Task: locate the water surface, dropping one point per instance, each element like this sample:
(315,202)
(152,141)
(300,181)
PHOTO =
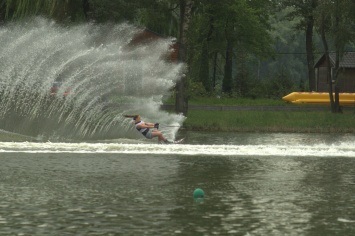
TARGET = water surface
(255,184)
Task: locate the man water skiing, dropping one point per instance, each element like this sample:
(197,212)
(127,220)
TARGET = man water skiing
(149,130)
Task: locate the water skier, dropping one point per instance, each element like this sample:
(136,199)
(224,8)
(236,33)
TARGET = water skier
(149,130)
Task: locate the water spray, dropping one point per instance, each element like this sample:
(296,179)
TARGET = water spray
(101,76)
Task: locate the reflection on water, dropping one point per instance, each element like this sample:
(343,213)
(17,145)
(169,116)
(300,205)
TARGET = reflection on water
(134,194)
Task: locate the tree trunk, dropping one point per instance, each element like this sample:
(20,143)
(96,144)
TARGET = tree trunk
(87,10)
(2,13)
(326,53)
(228,72)
(181,102)
(337,107)
(310,56)
(214,70)
(204,71)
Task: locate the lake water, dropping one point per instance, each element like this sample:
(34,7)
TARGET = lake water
(254,184)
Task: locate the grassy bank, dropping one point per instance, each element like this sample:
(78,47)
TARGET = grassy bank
(236,102)
(267,121)
(230,101)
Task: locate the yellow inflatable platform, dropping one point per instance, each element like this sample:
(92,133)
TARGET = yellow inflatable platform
(345,99)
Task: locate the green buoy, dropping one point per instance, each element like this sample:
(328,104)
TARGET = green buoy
(198,193)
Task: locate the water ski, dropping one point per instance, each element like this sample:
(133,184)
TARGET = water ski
(178,141)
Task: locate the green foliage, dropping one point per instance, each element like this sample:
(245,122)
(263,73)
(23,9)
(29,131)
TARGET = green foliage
(159,16)
(58,9)
(221,27)
(339,21)
(204,74)
(302,86)
(289,58)
(113,10)
(279,87)
(197,89)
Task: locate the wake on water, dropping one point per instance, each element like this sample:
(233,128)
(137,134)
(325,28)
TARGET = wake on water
(345,149)
(201,143)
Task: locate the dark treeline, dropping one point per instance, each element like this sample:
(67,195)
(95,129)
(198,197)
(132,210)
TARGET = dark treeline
(236,48)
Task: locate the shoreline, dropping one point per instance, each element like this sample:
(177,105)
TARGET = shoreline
(251,121)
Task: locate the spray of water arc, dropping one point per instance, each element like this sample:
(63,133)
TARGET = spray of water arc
(98,77)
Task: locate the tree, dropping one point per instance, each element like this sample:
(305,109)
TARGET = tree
(181,103)
(336,22)
(159,16)
(87,10)
(220,30)
(204,68)
(115,10)
(201,38)
(287,60)
(61,10)
(306,11)
(228,66)
(245,25)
